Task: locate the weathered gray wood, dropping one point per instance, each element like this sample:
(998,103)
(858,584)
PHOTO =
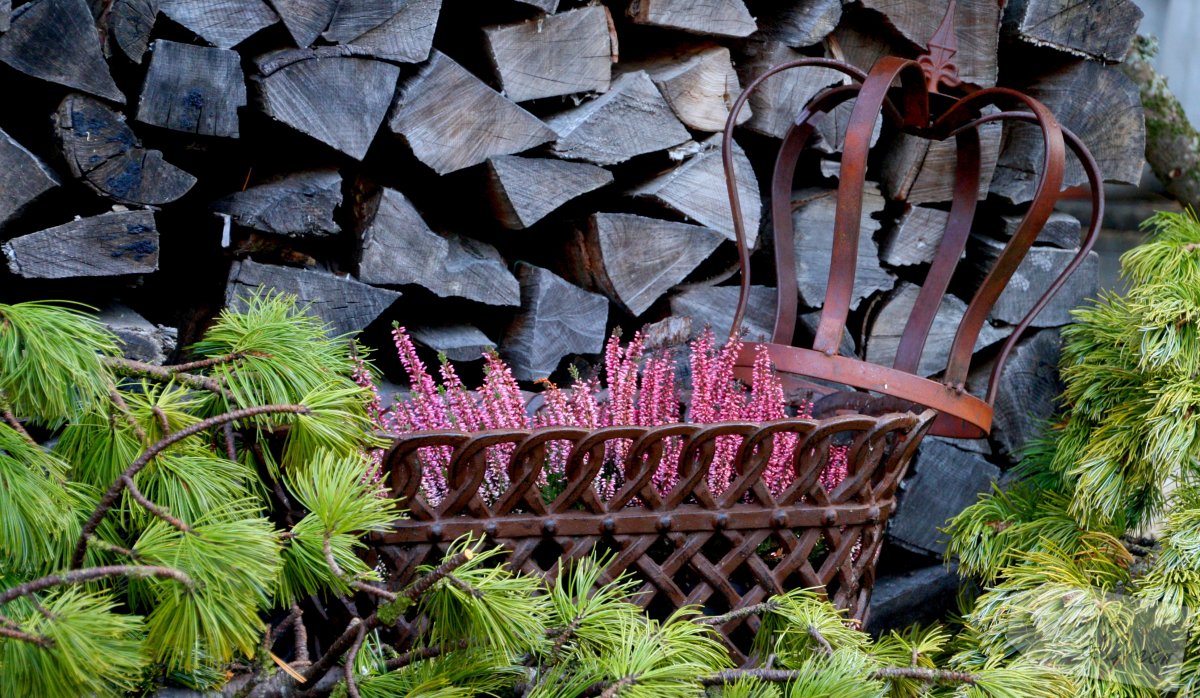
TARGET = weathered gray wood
(887,325)
(831,130)
(130,23)
(699,83)
(398,248)
(300,204)
(1029,390)
(1031,279)
(798,23)
(344,304)
(976,23)
(138,338)
(717,17)
(524,190)
(222,23)
(918,597)
(111,244)
(696,188)
(100,148)
(23,179)
(632,118)
(635,260)
(813,221)
(667,333)
(1101,30)
(1100,105)
(918,170)
(452,120)
(1061,230)
(556,319)
(553,55)
(194,89)
(713,307)
(406,37)
(778,101)
(5,14)
(456,342)
(340,101)
(914,239)
(548,6)
(55,41)
(353,18)
(305,19)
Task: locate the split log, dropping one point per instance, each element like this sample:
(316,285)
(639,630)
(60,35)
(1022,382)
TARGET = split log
(1101,30)
(919,171)
(667,333)
(1030,386)
(831,130)
(130,23)
(547,6)
(553,55)
(343,304)
(632,118)
(194,89)
(777,102)
(915,237)
(23,179)
(406,36)
(696,188)
(398,248)
(353,18)
(100,148)
(812,218)
(713,307)
(914,597)
(718,17)
(976,24)
(111,244)
(55,41)
(862,43)
(340,101)
(798,23)
(524,190)
(1031,279)
(1062,230)
(699,83)
(5,14)
(456,342)
(452,120)
(1100,105)
(138,338)
(635,260)
(305,19)
(887,326)
(556,319)
(222,23)
(299,204)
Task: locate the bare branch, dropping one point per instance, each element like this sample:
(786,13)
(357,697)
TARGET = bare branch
(141,369)
(90,574)
(423,653)
(754,610)
(351,655)
(327,548)
(160,512)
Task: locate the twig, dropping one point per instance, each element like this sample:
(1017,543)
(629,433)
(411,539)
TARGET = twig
(301,635)
(815,634)
(610,689)
(423,653)
(26,637)
(327,548)
(16,424)
(110,547)
(565,636)
(114,491)
(419,587)
(764,607)
(91,574)
(214,361)
(351,655)
(163,422)
(129,367)
(160,512)
(464,587)
(123,408)
(230,446)
(936,676)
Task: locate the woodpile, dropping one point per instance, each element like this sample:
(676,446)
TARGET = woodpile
(526,174)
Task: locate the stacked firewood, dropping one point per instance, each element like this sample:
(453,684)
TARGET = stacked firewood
(530,174)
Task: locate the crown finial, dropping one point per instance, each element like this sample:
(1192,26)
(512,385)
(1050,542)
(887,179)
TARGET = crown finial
(937,61)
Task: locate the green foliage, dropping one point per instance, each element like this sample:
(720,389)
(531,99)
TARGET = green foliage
(35,504)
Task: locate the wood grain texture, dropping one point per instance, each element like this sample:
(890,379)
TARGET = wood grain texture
(305,19)
(1030,386)
(635,260)
(194,89)
(100,149)
(976,23)
(1062,230)
(699,83)
(5,15)
(696,189)
(111,244)
(55,41)
(797,23)
(1101,30)
(406,37)
(345,305)
(130,23)
(452,120)
(777,101)
(716,17)
(553,55)
(914,239)
(524,190)
(813,221)
(1031,279)
(457,342)
(23,179)
(831,131)
(556,319)
(222,23)
(549,6)
(713,307)
(300,204)
(340,101)
(632,118)
(919,171)
(353,18)
(398,248)
(1100,105)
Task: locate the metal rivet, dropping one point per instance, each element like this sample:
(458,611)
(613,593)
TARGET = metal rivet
(721,521)
(664,523)
(779,518)
(830,518)
(873,515)
(435,532)
(550,526)
(490,528)
(609,525)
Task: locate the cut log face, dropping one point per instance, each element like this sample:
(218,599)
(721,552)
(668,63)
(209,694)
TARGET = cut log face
(714,306)
(1031,279)
(1029,390)
(194,89)
(398,248)
(344,304)
(524,190)
(111,244)
(340,101)
(305,19)
(23,179)
(798,24)
(778,100)
(832,129)
(699,83)
(452,120)
(556,320)
(55,41)
(295,205)
(1062,230)
(406,37)
(632,118)
(1100,105)
(222,23)
(696,189)
(719,17)
(813,222)
(130,23)
(915,238)
(5,14)
(353,18)
(553,55)
(101,149)
(976,24)
(1101,30)
(636,260)
(456,342)
(919,171)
